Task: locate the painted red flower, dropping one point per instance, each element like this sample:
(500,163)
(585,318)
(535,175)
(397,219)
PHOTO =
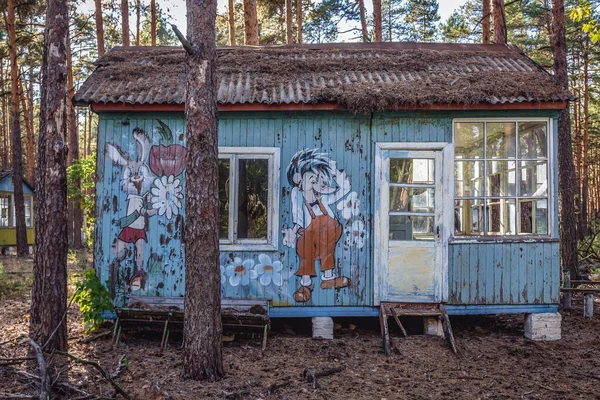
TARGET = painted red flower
(167,160)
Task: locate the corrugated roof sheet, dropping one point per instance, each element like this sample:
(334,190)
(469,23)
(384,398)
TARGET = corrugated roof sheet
(361,77)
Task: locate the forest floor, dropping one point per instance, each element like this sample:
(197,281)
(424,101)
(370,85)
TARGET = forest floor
(495,360)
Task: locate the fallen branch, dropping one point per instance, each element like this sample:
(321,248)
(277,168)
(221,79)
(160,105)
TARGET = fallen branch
(122,366)
(310,375)
(22,335)
(102,371)
(91,338)
(44,381)
(15,360)
(16,396)
(274,386)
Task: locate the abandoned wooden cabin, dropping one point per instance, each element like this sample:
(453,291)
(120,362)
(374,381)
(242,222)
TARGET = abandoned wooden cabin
(8,222)
(350,175)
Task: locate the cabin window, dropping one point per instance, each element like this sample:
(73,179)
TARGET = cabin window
(501,178)
(247,197)
(28,212)
(5,211)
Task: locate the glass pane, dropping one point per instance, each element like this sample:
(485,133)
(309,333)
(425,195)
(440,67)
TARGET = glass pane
(533,140)
(501,179)
(411,228)
(468,138)
(468,178)
(411,199)
(533,180)
(27,211)
(253,198)
(224,198)
(501,216)
(501,140)
(468,217)
(4,207)
(406,170)
(534,216)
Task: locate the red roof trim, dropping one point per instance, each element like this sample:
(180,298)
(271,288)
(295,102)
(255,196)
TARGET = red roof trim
(104,107)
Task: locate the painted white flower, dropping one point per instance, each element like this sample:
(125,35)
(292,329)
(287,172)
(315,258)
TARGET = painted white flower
(167,196)
(241,272)
(350,206)
(355,234)
(269,271)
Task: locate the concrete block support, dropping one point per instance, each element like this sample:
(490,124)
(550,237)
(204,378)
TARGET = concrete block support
(543,326)
(322,327)
(433,326)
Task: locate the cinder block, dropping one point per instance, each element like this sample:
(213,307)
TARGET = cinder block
(322,327)
(543,326)
(433,326)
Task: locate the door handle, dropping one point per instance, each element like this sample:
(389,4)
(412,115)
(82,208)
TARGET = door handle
(437,232)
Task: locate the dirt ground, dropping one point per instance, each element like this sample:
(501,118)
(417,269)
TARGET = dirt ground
(496,361)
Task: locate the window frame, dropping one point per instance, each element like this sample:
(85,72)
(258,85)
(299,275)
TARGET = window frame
(550,160)
(272,154)
(10,210)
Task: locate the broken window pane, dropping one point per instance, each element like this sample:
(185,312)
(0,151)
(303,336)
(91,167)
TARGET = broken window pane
(253,198)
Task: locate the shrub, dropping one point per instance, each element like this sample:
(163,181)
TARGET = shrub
(92,297)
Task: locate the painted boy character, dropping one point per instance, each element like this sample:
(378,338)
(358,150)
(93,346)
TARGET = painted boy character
(317,184)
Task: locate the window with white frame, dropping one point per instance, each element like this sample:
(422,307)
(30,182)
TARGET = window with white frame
(28,211)
(501,177)
(248,187)
(5,211)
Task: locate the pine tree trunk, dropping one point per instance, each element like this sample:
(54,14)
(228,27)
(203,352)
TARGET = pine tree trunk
(585,145)
(202,323)
(363,21)
(73,154)
(138,11)
(485,23)
(49,291)
(29,158)
(250,23)
(125,22)
(299,21)
(99,27)
(231,12)
(499,22)
(4,128)
(288,22)
(153,21)
(17,152)
(377,22)
(566,169)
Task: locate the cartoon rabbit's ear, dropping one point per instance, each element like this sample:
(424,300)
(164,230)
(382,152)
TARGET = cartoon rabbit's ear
(116,155)
(143,144)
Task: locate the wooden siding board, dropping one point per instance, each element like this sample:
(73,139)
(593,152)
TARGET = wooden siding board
(506,275)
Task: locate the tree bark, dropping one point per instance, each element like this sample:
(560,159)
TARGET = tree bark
(231,12)
(49,291)
(288,22)
(125,22)
(250,23)
(153,21)
(499,22)
(30,139)
(377,22)
(73,154)
(17,152)
(363,21)
(5,131)
(299,21)
(566,169)
(138,11)
(202,323)
(585,145)
(485,23)
(99,27)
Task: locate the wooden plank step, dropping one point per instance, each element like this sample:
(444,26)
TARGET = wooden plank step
(415,313)
(580,290)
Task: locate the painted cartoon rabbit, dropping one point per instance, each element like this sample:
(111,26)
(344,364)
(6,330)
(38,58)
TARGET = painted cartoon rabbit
(136,181)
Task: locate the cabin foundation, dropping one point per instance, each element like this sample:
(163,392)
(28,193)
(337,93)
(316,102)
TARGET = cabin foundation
(543,326)
(322,327)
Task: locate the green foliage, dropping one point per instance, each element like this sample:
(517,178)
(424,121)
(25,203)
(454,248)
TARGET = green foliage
(12,287)
(81,184)
(591,24)
(92,298)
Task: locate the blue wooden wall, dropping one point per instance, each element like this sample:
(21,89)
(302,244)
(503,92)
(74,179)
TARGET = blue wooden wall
(479,273)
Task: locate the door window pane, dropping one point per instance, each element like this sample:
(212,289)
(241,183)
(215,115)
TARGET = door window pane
(411,199)
(411,228)
(405,170)
(501,140)
(469,139)
(253,198)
